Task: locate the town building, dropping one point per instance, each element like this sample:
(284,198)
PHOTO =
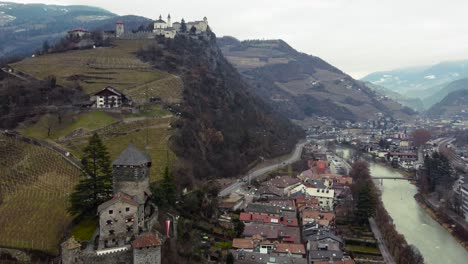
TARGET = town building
(110,97)
(464,196)
(78,33)
(161,28)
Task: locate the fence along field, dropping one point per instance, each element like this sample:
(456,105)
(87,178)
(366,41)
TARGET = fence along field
(34,188)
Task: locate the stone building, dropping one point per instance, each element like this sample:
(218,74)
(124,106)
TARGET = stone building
(161,28)
(126,221)
(147,248)
(130,173)
(119,220)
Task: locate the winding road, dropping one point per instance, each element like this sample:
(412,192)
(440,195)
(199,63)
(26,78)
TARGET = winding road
(295,156)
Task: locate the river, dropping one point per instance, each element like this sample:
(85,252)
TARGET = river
(434,242)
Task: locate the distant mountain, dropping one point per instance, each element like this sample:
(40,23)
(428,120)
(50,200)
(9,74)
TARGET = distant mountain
(24,27)
(453,105)
(300,85)
(414,103)
(420,81)
(444,91)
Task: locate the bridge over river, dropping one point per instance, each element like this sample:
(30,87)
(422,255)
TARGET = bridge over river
(435,243)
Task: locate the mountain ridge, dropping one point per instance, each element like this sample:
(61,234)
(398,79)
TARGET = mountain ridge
(302,85)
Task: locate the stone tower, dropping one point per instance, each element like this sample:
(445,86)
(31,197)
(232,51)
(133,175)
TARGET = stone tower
(169,23)
(130,173)
(147,249)
(119,29)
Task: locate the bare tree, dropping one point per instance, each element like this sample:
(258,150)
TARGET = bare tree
(420,136)
(51,121)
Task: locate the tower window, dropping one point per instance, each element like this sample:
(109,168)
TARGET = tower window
(127,209)
(111,211)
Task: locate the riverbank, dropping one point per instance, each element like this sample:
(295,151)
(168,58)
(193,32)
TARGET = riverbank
(392,245)
(436,216)
(459,234)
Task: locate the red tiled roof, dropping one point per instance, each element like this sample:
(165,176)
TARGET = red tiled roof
(146,240)
(293,248)
(243,243)
(245,217)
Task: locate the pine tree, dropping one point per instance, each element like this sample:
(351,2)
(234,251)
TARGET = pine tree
(183,26)
(166,193)
(366,204)
(96,186)
(45,47)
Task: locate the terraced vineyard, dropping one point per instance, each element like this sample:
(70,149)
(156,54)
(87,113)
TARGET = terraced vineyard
(95,69)
(34,188)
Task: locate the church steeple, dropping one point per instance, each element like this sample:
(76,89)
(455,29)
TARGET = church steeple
(169,23)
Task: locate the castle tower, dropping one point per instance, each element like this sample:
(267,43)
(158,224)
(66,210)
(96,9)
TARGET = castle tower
(119,29)
(147,249)
(130,173)
(169,23)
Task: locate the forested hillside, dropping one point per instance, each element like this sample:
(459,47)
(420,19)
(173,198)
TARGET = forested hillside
(224,126)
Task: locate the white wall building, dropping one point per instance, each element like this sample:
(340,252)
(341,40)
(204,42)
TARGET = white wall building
(464,196)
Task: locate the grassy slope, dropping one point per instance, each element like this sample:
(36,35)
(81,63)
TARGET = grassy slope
(95,69)
(34,196)
(88,121)
(33,216)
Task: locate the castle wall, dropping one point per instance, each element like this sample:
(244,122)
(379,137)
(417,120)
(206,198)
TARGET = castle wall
(121,213)
(135,256)
(127,173)
(133,188)
(150,255)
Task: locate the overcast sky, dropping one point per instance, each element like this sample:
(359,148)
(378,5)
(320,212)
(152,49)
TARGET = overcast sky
(357,36)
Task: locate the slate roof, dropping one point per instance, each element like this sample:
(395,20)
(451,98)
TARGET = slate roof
(244,257)
(132,156)
(325,254)
(108,91)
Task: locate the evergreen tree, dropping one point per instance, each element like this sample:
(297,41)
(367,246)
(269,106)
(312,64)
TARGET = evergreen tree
(439,171)
(183,26)
(166,193)
(230,258)
(193,30)
(45,47)
(366,204)
(96,186)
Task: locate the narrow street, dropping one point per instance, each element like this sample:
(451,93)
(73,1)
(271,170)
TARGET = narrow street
(383,248)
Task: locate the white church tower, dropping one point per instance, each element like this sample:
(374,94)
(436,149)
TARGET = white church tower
(169,23)
(119,29)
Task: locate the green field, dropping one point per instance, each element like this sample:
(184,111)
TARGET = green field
(84,230)
(362,249)
(87,121)
(94,69)
(34,188)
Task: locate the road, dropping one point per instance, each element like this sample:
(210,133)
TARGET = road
(252,175)
(456,160)
(383,248)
